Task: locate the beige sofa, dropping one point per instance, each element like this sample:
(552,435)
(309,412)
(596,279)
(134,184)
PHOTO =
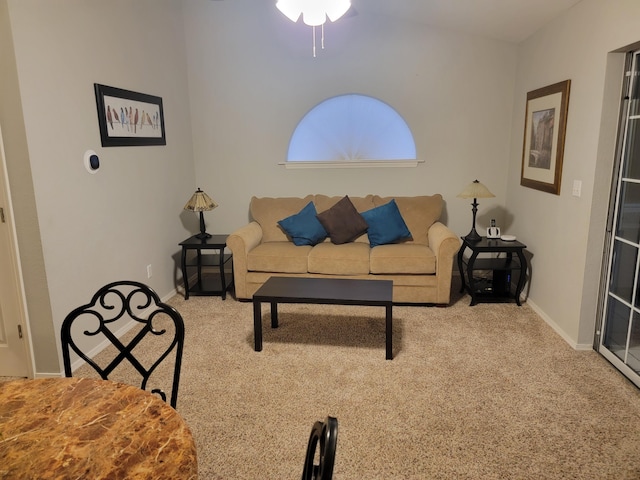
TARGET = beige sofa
(420,267)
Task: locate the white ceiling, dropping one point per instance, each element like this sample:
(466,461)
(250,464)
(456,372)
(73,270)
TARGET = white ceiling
(508,20)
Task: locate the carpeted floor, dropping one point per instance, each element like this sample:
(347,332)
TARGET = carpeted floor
(484,392)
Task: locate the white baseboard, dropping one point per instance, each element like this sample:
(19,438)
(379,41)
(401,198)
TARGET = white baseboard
(557,329)
(548,320)
(49,375)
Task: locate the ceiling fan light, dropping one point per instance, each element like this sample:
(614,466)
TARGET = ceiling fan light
(314,13)
(290,8)
(337,8)
(314,16)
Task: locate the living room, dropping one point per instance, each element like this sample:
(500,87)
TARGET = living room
(234,86)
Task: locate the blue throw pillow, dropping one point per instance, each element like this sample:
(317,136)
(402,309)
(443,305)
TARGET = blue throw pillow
(386,224)
(303,227)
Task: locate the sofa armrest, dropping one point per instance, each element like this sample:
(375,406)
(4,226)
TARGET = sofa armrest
(445,244)
(241,242)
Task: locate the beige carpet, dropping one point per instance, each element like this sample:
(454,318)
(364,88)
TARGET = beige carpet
(484,392)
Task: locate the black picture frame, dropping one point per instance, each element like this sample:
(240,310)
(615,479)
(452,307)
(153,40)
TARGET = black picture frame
(127,118)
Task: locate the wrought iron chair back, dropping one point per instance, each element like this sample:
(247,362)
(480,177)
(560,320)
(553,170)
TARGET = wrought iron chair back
(136,306)
(326,435)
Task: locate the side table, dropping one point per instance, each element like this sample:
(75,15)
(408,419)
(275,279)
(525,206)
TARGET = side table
(498,287)
(216,280)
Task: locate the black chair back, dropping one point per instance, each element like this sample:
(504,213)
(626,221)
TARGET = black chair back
(326,435)
(117,307)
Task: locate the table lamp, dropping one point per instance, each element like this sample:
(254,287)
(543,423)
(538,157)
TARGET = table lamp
(475,190)
(201,202)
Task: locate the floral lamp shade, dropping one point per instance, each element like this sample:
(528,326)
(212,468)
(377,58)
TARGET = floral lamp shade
(201,202)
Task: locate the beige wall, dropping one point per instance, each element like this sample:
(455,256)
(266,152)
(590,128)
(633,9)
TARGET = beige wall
(252,77)
(109,226)
(24,204)
(565,233)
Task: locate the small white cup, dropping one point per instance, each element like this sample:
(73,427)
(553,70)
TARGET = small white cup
(493,232)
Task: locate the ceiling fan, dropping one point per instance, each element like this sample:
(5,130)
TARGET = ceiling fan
(315,13)
(350,13)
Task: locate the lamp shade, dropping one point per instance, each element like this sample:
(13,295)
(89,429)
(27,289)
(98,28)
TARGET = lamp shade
(314,12)
(475,190)
(200,202)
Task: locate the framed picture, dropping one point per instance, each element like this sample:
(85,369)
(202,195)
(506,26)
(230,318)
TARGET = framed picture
(544,133)
(129,118)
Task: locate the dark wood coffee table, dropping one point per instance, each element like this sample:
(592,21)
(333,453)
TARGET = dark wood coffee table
(328,291)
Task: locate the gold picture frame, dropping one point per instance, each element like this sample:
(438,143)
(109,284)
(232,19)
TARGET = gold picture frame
(544,135)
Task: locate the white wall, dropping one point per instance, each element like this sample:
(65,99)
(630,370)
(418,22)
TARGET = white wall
(109,226)
(565,233)
(252,77)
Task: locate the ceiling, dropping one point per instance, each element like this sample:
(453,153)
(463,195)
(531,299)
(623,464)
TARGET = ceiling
(508,20)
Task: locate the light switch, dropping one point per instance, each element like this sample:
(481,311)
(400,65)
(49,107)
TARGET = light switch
(577,188)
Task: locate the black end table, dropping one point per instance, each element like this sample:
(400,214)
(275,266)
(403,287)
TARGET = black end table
(215,280)
(498,288)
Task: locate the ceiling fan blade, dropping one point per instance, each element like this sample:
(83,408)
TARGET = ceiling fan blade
(352,12)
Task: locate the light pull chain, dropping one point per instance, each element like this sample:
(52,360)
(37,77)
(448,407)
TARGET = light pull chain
(313,29)
(314,41)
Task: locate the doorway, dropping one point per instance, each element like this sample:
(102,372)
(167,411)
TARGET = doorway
(620,320)
(14,339)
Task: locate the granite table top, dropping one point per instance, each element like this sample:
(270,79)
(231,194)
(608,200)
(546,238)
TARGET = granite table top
(64,428)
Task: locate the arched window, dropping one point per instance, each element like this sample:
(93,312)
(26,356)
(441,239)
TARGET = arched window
(352,130)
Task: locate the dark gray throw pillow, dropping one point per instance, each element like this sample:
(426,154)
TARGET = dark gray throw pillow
(342,222)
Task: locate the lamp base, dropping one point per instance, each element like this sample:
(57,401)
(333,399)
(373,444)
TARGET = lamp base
(473,236)
(203,234)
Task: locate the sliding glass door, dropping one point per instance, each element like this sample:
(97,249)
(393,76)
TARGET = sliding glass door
(620,338)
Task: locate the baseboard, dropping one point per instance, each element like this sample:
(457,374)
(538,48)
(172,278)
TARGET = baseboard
(557,329)
(549,321)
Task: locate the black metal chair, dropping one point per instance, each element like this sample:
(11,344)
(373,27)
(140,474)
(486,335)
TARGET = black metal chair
(326,434)
(120,307)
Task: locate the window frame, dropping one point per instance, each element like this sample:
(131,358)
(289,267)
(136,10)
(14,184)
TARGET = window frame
(347,163)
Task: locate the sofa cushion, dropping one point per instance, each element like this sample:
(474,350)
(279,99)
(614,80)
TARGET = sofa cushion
(342,222)
(419,213)
(303,227)
(385,224)
(345,259)
(267,211)
(278,257)
(407,258)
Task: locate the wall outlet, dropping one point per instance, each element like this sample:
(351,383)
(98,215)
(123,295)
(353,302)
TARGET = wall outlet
(149,273)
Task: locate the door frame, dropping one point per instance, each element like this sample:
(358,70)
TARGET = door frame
(631,56)
(14,254)
(613,191)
